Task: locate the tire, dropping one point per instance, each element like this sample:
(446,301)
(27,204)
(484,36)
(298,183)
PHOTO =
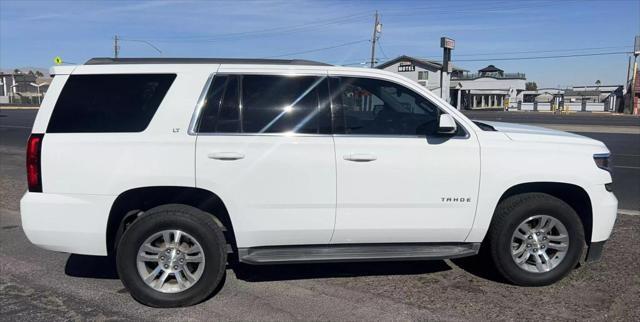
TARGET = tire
(196,228)
(528,211)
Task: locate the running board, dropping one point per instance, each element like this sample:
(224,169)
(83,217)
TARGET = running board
(355,253)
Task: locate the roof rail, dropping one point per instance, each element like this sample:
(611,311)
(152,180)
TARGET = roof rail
(124,61)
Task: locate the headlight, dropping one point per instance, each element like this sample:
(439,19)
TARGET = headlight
(602,161)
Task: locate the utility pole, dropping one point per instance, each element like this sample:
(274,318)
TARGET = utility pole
(377,27)
(636,52)
(116,47)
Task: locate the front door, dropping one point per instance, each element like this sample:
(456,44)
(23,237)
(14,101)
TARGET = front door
(398,181)
(264,146)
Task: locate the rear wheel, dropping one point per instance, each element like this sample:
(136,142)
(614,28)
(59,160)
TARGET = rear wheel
(535,239)
(172,256)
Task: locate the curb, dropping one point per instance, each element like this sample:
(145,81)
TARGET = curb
(19,108)
(628,212)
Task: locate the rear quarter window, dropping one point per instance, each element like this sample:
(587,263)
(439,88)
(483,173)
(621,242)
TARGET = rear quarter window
(108,103)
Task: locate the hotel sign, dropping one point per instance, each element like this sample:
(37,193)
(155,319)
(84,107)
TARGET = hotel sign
(406,67)
(447,43)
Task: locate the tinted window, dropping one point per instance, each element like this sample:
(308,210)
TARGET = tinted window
(377,107)
(270,104)
(277,104)
(108,103)
(220,112)
(212,102)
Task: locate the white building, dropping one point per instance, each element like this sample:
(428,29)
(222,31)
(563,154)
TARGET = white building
(425,72)
(22,87)
(490,87)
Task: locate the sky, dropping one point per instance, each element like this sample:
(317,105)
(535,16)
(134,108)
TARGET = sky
(32,33)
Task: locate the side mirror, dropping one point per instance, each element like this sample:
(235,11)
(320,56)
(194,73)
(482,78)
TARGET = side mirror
(447,124)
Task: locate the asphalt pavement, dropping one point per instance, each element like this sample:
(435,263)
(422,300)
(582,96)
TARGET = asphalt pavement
(39,285)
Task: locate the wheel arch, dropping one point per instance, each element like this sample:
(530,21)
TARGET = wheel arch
(574,195)
(132,202)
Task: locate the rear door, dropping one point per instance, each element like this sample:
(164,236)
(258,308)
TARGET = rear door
(264,146)
(397,180)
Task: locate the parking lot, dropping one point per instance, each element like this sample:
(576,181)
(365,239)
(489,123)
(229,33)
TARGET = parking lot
(39,285)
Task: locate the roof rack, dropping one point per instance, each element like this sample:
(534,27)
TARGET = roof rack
(124,61)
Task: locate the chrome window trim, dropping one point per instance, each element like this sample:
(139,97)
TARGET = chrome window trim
(264,134)
(195,117)
(275,72)
(334,135)
(382,136)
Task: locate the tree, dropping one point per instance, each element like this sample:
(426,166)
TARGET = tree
(17,71)
(531,86)
(39,73)
(30,72)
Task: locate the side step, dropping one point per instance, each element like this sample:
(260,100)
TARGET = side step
(355,253)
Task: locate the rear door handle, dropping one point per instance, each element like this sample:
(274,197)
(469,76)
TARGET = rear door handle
(360,157)
(226,156)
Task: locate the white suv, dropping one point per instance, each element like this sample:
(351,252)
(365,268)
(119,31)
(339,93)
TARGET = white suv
(174,165)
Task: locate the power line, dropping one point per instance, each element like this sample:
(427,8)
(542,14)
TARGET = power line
(542,57)
(528,52)
(143,42)
(320,49)
(521,58)
(544,51)
(277,30)
(382,50)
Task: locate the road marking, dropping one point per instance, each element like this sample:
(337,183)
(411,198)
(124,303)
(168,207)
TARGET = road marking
(624,129)
(629,212)
(16,126)
(625,167)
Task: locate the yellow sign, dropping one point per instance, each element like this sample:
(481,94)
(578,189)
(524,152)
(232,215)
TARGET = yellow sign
(57,60)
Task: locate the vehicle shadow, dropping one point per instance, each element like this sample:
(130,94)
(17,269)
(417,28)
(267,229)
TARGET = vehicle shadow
(267,273)
(479,266)
(103,267)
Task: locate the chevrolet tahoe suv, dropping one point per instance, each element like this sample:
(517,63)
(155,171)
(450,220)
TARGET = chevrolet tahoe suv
(176,167)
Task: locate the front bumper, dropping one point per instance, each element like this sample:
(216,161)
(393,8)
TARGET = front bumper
(71,223)
(605,210)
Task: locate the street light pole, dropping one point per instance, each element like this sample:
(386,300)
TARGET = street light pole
(37,86)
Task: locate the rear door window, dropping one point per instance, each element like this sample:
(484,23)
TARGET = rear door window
(108,102)
(267,104)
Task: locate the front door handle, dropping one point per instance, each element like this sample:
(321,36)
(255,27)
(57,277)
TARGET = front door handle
(360,157)
(226,156)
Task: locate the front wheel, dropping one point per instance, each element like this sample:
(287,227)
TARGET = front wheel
(535,239)
(171,256)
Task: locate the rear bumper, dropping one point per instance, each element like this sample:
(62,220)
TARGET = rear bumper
(72,223)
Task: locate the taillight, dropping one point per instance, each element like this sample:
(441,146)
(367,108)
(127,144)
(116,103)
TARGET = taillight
(34,155)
